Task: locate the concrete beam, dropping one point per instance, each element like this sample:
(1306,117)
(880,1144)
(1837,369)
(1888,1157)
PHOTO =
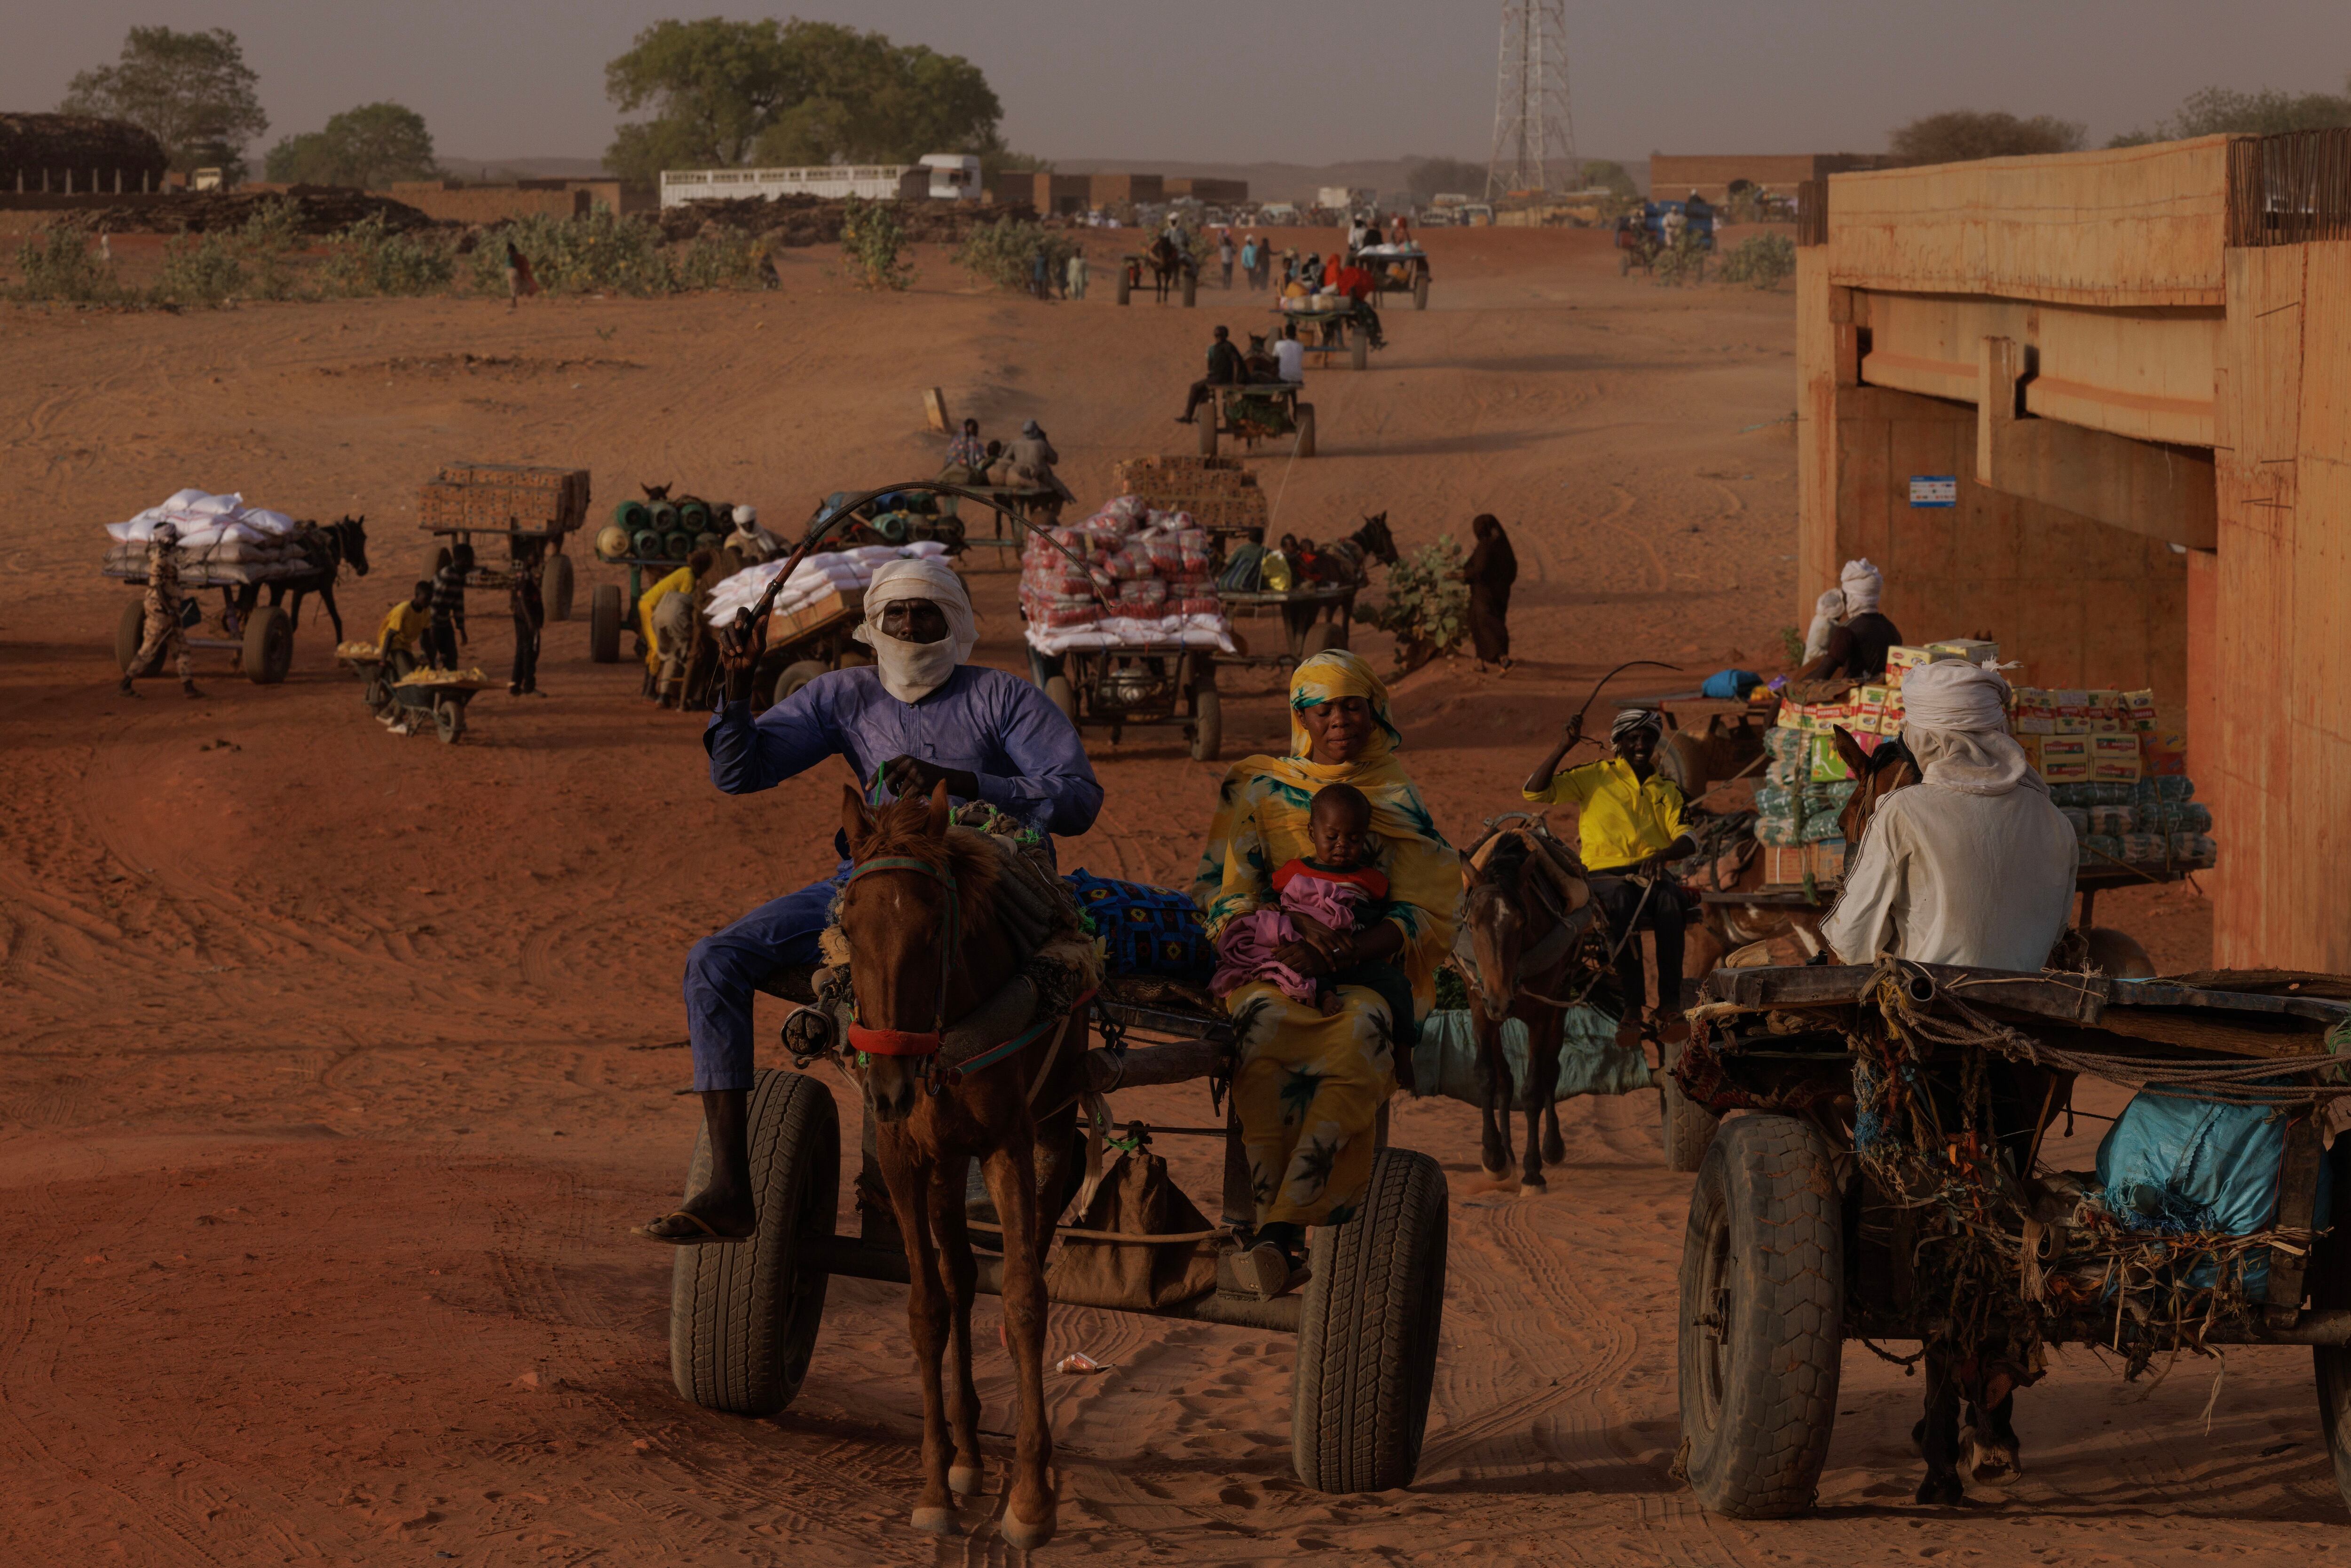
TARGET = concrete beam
(2159,492)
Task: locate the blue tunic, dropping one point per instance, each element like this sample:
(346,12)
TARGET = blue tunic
(1027,758)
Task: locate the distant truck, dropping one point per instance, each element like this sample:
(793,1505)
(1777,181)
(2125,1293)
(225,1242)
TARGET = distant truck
(1340,198)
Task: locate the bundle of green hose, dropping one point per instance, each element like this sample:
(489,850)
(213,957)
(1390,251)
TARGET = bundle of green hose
(646,543)
(664,515)
(633,516)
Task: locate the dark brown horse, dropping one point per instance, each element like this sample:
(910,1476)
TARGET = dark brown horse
(1166,264)
(1528,926)
(929,965)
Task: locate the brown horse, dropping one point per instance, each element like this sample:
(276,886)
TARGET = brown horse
(937,981)
(1165,263)
(1528,927)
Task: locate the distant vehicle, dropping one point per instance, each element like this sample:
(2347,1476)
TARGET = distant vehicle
(940,176)
(1338,198)
(1477,213)
(206,179)
(1278,212)
(955,177)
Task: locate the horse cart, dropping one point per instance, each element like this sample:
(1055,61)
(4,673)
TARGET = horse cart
(1341,330)
(1145,686)
(1184,279)
(260,643)
(1397,269)
(1884,1178)
(807,643)
(1252,411)
(744,1321)
(1315,618)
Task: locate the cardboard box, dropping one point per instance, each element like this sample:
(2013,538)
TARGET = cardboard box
(2030,725)
(2066,759)
(1967,650)
(2163,753)
(2072,724)
(1786,864)
(2113,758)
(1827,767)
(1899,659)
(1826,860)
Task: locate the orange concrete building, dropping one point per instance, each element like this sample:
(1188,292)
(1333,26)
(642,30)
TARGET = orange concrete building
(2132,363)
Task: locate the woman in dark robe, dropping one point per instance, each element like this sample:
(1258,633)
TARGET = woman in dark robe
(1491,569)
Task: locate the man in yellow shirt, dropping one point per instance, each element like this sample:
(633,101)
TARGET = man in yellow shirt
(1630,824)
(404,623)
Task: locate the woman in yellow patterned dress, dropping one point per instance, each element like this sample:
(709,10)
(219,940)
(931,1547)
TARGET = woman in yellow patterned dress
(1310,1086)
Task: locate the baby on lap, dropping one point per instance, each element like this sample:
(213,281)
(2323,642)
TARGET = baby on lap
(1337,890)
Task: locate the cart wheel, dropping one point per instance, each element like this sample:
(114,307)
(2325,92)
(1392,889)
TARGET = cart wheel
(1368,1332)
(1683,759)
(604,623)
(1191,284)
(1058,692)
(1306,430)
(743,1319)
(1359,350)
(796,675)
(448,721)
(1208,725)
(1420,292)
(268,646)
(1207,424)
(377,693)
(129,632)
(852,658)
(554,592)
(1321,638)
(1690,1127)
(1762,1304)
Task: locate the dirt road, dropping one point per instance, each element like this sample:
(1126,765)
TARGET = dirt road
(333,1067)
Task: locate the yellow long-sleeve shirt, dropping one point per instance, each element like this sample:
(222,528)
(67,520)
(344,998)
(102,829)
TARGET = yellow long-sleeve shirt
(1624,819)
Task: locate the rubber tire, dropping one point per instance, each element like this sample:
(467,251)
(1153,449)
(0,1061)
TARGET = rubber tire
(604,623)
(1367,1332)
(796,675)
(268,646)
(743,1319)
(1689,1127)
(448,721)
(1321,638)
(1059,692)
(377,692)
(1766,1227)
(1682,760)
(1306,430)
(1207,426)
(1207,726)
(129,632)
(1420,292)
(1359,350)
(556,591)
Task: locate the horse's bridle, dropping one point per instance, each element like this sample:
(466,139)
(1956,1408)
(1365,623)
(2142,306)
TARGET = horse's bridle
(915,1042)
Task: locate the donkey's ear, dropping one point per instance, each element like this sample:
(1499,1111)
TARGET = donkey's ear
(1849,749)
(856,822)
(937,827)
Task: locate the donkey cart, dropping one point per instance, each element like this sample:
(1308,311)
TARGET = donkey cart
(1140,688)
(744,1319)
(1252,412)
(1342,329)
(1883,1181)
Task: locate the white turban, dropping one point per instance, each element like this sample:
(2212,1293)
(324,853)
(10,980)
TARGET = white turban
(913,671)
(1827,610)
(1862,583)
(1955,722)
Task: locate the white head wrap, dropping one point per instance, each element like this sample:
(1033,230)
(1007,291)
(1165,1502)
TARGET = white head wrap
(745,516)
(1955,722)
(913,671)
(1862,583)
(1827,610)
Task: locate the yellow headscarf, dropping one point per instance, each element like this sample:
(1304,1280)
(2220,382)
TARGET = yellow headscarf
(1260,824)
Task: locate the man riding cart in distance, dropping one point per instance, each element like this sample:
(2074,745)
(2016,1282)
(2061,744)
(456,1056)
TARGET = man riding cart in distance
(918,716)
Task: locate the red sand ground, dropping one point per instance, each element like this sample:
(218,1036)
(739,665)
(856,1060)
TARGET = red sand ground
(334,1066)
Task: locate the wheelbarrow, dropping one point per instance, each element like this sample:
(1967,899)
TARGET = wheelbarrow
(445,700)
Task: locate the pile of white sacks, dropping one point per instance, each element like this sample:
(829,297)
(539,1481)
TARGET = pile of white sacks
(830,573)
(222,540)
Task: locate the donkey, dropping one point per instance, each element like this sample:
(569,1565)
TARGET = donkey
(1527,929)
(928,955)
(1165,263)
(327,547)
(1344,562)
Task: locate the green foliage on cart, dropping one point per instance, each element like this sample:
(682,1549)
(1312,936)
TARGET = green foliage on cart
(1424,609)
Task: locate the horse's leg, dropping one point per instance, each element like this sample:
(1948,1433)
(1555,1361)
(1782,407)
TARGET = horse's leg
(1029,1511)
(1937,1432)
(327,597)
(1544,1070)
(1989,1448)
(1494,1097)
(1543,1077)
(927,1318)
(959,1274)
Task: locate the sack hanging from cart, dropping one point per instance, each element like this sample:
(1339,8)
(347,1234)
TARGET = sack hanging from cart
(1144,930)
(1172,1258)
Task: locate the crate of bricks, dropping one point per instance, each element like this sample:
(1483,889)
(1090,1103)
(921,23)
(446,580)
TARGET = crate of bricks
(492,497)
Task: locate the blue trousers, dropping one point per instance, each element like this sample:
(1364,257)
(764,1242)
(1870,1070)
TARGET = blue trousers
(726,967)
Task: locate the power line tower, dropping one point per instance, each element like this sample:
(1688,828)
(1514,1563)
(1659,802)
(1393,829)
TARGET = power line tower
(1534,135)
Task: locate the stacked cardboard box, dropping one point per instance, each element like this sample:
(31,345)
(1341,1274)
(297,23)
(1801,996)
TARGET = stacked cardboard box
(496,497)
(1219,493)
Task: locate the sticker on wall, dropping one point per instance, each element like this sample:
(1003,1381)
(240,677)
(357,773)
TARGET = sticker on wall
(1934,490)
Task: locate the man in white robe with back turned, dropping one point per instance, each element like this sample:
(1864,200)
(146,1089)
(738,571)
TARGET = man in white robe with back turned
(1974,865)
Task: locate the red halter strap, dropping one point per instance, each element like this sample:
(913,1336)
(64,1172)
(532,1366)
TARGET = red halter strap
(906,1043)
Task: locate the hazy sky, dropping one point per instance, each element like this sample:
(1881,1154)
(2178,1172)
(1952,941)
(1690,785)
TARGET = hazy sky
(1231,79)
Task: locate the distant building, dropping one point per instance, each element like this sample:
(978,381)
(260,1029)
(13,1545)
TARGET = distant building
(1215,192)
(1711,176)
(455,200)
(1063,193)
(1104,189)
(77,154)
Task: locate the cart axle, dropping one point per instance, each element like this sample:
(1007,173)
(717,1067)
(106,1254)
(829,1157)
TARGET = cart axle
(847,1255)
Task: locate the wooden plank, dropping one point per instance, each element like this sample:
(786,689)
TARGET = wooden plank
(2297,1202)
(934,409)
(2072,998)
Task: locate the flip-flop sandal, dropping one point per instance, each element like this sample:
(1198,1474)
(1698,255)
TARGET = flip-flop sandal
(1267,1269)
(709,1237)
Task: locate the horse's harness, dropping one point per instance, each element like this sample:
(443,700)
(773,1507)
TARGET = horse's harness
(924,1045)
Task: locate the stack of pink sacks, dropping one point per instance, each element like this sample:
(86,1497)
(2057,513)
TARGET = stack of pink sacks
(1146,580)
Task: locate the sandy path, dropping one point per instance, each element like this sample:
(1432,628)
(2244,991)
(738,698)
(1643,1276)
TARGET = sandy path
(332,1068)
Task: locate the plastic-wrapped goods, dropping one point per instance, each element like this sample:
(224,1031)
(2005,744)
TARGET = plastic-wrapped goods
(2104,849)
(2176,817)
(2143,849)
(2078,819)
(2194,850)
(2164,788)
(1241,568)
(1785,744)
(1145,592)
(1065,611)
(2113,821)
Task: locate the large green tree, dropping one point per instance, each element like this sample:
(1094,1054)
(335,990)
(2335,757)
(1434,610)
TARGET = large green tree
(2264,113)
(194,90)
(1963,135)
(369,146)
(716,93)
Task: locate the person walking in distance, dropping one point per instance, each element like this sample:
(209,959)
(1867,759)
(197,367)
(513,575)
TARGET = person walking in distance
(162,628)
(523,597)
(1489,571)
(519,277)
(448,627)
(1076,286)
(1225,255)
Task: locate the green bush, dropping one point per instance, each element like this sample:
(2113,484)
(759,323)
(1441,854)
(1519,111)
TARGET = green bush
(1000,253)
(873,246)
(1764,261)
(725,259)
(1681,263)
(59,265)
(370,257)
(1426,609)
(596,253)
(201,269)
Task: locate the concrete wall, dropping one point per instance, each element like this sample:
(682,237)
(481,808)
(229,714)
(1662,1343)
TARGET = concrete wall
(1102,189)
(1053,192)
(456,200)
(1218,193)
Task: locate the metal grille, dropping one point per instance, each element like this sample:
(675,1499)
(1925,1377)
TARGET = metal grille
(1812,212)
(1534,134)
(2289,189)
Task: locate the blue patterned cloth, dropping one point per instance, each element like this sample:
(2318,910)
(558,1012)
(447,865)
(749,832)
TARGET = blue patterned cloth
(1144,930)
